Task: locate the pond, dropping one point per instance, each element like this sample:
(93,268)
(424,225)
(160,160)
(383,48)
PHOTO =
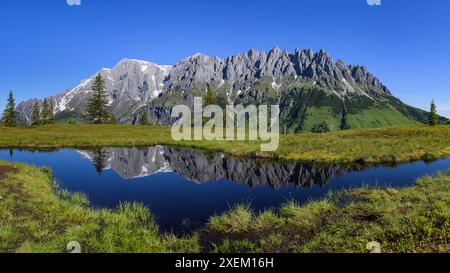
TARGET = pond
(183,187)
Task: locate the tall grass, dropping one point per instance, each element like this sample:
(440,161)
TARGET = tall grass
(37,217)
(415,219)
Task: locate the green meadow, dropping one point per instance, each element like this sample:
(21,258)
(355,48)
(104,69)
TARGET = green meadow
(386,145)
(36,216)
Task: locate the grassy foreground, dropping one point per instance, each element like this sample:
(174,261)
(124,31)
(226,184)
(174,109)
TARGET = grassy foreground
(410,220)
(394,144)
(37,217)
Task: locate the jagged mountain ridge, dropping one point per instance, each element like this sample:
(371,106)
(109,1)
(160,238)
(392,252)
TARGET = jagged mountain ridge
(303,83)
(243,70)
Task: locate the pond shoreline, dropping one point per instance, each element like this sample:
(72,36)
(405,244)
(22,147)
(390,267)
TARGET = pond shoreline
(385,145)
(374,214)
(358,164)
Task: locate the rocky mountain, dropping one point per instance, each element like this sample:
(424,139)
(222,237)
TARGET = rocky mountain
(310,87)
(131,84)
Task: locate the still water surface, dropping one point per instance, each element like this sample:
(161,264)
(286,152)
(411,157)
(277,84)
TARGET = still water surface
(181,183)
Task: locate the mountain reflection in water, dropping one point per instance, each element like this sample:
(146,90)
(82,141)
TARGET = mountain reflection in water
(181,183)
(200,167)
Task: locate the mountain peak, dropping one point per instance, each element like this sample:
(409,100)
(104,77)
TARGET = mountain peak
(127,62)
(276,49)
(197,56)
(253,51)
(133,83)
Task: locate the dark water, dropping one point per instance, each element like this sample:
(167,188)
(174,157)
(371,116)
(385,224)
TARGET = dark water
(181,183)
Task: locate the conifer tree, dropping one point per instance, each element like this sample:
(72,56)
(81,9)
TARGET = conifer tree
(45,116)
(344,121)
(36,114)
(51,116)
(210,96)
(9,114)
(321,128)
(71,121)
(143,119)
(98,111)
(433,118)
(112,119)
(99,160)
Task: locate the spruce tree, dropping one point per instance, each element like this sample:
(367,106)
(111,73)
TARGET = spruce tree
(143,119)
(98,111)
(36,114)
(321,128)
(433,118)
(99,160)
(71,121)
(51,116)
(210,97)
(112,119)
(45,116)
(344,121)
(9,114)
(47,113)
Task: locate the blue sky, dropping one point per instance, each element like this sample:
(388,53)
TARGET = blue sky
(47,46)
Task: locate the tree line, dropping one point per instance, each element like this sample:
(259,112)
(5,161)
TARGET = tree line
(98,110)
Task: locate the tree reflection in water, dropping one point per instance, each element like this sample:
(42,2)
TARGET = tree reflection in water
(200,167)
